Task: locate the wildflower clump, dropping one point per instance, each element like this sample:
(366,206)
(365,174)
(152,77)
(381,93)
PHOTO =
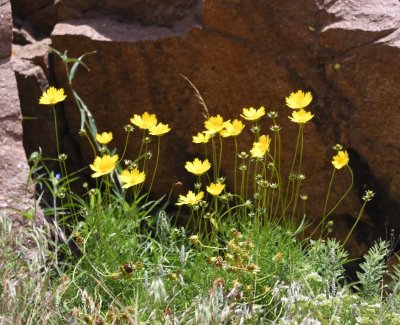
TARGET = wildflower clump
(240,233)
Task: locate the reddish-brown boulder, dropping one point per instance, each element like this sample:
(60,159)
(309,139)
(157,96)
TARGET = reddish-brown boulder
(240,54)
(14,169)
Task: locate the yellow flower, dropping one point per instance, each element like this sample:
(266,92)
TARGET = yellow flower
(299,99)
(103,165)
(341,159)
(132,177)
(214,124)
(261,147)
(215,188)
(190,199)
(232,129)
(52,96)
(104,137)
(159,129)
(197,167)
(252,114)
(301,116)
(146,121)
(201,138)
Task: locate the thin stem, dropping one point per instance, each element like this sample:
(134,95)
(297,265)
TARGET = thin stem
(141,146)
(56,131)
(337,203)
(242,189)
(205,151)
(296,195)
(345,194)
(214,154)
(235,173)
(355,223)
(220,156)
(247,179)
(291,168)
(55,215)
(108,196)
(91,144)
(125,146)
(278,168)
(64,170)
(327,195)
(156,166)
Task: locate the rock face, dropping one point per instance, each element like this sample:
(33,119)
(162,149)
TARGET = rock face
(238,54)
(13,164)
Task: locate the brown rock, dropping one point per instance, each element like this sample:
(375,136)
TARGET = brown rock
(240,54)
(5,29)
(14,194)
(231,73)
(44,14)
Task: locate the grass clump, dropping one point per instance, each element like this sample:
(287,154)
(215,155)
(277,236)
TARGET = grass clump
(228,252)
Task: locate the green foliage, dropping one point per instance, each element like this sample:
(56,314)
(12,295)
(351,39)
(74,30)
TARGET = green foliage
(374,268)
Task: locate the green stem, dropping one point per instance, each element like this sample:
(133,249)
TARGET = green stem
(327,195)
(214,154)
(141,146)
(298,179)
(235,173)
(108,196)
(56,131)
(220,156)
(291,168)
(337,203)
(345,194)
(91,144)
(125,146)
(246,192)
(355,223)
(277,158)
(156,166)
(242,188)
(64,167)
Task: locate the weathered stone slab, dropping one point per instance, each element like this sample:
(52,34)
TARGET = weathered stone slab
(13,165)
(240,54)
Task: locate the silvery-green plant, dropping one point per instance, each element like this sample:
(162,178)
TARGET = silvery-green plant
(373,270)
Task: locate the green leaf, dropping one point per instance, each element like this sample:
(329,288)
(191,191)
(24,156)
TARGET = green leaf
(77,63)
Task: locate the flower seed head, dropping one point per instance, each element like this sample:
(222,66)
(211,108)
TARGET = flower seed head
(194,239)
(272,114)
